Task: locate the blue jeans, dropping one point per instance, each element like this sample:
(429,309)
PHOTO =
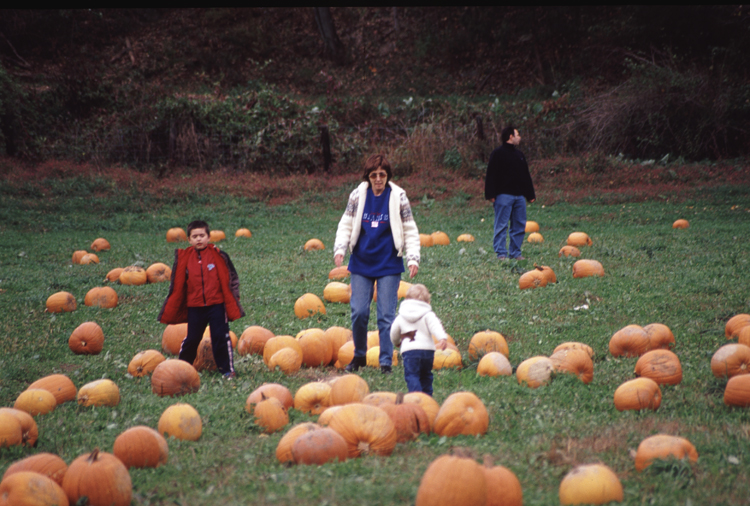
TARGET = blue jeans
(418,370)
(362,290)
(509,208)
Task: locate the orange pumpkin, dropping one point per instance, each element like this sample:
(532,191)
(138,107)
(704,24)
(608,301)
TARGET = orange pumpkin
(270,415)
(629,341)
(465,238)
(425,240)
(337,292)
(35,401)
(89,258)
(100,244)
(373,357)
(284,448)
(319,447)
(409,419)
(380,398)
(662,446)
(11,433)
(579,239)
(314,245)
(659,336)
(58,385)
(494,364)
(174,377)
(575,361)
(590,484)
(87,339)
(743,336)
(535,237)
(288,360)
(345,355)
(46,464)
(485,342)
(574,345)
(531,226)
(276,390)
(535,371)
(569,251)
(216,236)
(253,339)
(144,363)
(337,336)
(114,274)
(427,403)
(141,446)
(462,413)
(730,360)
(204,357)
(101,296)
(29,428)
(451,481)
(348,389)
(99,476)
(503,487)
(447,359)
(28,488)
(532,279)
(158,272)
(341,272)
(243,232)
(176,234)
(133,275)
(681,224)
(735,324)
(637,394)
(308,305)
(103,392)
(181,421)
(61,302)
(662,366)
(77,255)
(737,391)
(172,337)
(277,343)
(440,239)
(313,397)
(366,429)
(587,268)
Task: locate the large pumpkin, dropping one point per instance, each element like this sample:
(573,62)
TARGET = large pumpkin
(347,389)
(101,296)
(447,359)
(172,337)
(451,481)
(337,336)
(380,398)
(336,291)
(100,244)
(316,350)
(575,361)
(87,339)
(29,428)
(531,226)
(366,429)
(277,343)
(141,446)
(662,366)
(58,385)
(99,476)
(284,448)
(319,447)
(409,419)
(11,433)
(440,239)
(216,236)
(35,401)
(308,305)
(46,464)
(629,341)
(579,239)
(103,392)
(637,394)
(286,359)
(737,391)
(462,413)
(586,268)
(61,302)
(662,446)
(133,275)
(158,272)
(535,371)
(341,272)
(730,360)
(28,488)
(590,484)
(270,415)
(532,279)
(494,364)
(735,324)
(176,234)
(485,342)
(425,240)
(144,363)
(174,377)
(253,339)
(181,421)
(659,336)
(503,487)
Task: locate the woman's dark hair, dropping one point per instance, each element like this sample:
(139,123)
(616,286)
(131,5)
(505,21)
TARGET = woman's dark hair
(507,133)
(378,161)
(197,224)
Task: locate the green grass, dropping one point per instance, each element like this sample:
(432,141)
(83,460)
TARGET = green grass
(692,280)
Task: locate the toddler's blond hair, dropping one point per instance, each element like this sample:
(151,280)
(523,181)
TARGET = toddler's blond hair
(419,292)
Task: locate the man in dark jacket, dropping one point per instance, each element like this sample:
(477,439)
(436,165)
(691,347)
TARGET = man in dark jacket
(508,186)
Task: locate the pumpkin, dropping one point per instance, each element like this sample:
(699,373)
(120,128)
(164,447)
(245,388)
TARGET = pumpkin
(327,414)
(103,296)
(172,337)
(590,484)
(29,428)
(58,385)
(114,274)
(308,305)
(277,343)
(77,255)
(427,403)
(280,392)
(587,268)
(99,476)
(730,360)
(316,350)
(447,359)
(28,488)
(373,357)
(11,433)
(319,447)
(100,244)
(465,238)
(347,389)
(579,239)
(462,413)
(534,278)
(284,448)
(452,481)
(659,336)
(681,224)
(373,339)
(662,366)
(144,363)
(133,275)
(158,272)
(337,336)
(403,287)
(409,419)
(181,421)
(174,377)
(176,234)
(286,359)
(314,245)
(548,273)
(737,391)
(743,336)
(494,364)
(531,226)
(486,341)
(535,371)
(253,339)
(103,392)
(569,251)
(637,394)
(503,487)
(662,446)
(425,240)
(87,339)
(216,236)
(345,355)
(366,429)
(270,415)
(629,341)
(535,237)
(35,401)
(46,464)
(61,302)
(735,324)
(89,258)
(341,272)
(440,239)
(575,361)
(337,292)
(575,345)
(204,357)
(380,398)
(312,398)
(243,232)
(141,446)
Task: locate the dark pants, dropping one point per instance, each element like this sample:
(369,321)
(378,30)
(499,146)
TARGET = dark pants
(221,345)
(418,370)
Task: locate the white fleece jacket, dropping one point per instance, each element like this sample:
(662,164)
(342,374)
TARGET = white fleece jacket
(416,315)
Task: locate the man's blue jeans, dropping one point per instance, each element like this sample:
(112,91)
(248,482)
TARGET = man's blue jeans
(362,291)
(418,370)
(509,208)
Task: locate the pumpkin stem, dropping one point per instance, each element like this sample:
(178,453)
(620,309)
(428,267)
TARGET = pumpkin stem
(400,398)
(94,456)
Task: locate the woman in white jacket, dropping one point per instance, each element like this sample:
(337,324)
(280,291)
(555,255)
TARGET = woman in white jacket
(378,230)
(413,330)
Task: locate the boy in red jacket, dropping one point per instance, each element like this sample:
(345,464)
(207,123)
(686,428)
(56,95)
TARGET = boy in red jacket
(204,290)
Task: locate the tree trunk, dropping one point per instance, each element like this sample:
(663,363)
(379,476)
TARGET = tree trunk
(334,49)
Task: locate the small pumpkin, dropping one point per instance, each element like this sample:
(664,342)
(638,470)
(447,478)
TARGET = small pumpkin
(89,258)
(181,421)
(337,292)
(100,244)
(569,251)
(731,360)
(284,448)
(253,339)
(659,336)
(133,275)
(409,419)
(575,361)
(103,392)
(216,236)
(144,362)
(681,223)
(534,278)
(494,364)
(243,232)
(737,391)
(101,296)
(486,341)
(341,272)
(61,302)
(465,238)
(629,341)
(277,343)
(99,476)
(531,226)
(176,234)
(579,239)
(535,371)
(270,415)
(141,446)
(319,447)
(114,274)
(662,446)
(87,339)
(503,487)
(638,394)
(590,484)
(662,366)
(35,401)
(158,272)
(77,255)
(29,488)
(452,480)
(276,390)
(46,464)
(308,305)
(366,429)
(587,268)
(425,240)
(440,239)
(462,413)
(172,337)
(174,377)
(58,385)
(535,237)
(314,245)
(348,389)
(29,428)
(735,324)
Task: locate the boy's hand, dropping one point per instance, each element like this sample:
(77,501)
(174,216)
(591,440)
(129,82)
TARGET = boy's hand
(408,335)
(442,344)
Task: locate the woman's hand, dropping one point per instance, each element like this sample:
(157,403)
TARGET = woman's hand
(413,269)
(338,260)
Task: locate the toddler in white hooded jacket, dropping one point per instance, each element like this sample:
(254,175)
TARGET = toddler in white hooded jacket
(413,330)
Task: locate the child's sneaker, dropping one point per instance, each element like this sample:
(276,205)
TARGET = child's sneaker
(229,376)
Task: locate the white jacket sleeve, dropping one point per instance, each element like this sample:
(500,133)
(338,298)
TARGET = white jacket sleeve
(412,244)
(435,326)
(346,225)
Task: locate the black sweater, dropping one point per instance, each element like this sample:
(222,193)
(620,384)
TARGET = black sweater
(508,174)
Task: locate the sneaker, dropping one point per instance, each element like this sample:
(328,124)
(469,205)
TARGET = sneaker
(386,369)
(355,364)
(502,258)
(229,376)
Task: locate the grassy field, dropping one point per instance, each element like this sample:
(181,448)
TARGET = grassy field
(692,280)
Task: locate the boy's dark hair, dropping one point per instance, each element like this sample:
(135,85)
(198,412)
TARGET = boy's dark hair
(507,133)
(374,162)
(198,224)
